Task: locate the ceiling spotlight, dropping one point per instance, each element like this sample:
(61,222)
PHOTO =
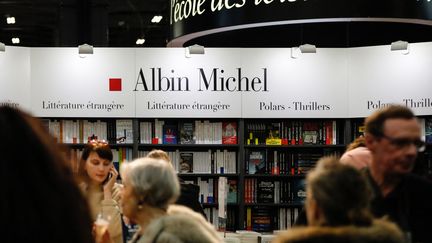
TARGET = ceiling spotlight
(195,49)
(307,48)
(15,40)
(156,19)
(84,50)
(2,47)
(10,20)
(402,46)
(140,41)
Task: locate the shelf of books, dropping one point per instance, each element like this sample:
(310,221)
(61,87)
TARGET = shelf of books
(278,154)
(264,161)
(202,152)
(75,133)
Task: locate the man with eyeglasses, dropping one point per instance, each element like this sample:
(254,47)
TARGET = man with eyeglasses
(393,136)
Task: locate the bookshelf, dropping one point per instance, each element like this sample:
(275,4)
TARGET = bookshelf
(283,161)
(278,153)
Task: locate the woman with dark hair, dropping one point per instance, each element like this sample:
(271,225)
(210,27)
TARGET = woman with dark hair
(98,182)
(41,201)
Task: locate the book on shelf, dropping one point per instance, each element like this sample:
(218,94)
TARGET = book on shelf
(265,191)
(262,219)
(229,133)
(232,191)
(298,190)
(428,130)
(256,162)
(187,133)
(358,129)
(273,134)
(207,190)
(158,130)
(310,132)
(78,131)
(169,134)
(186,162)
(146,135)
(306,161)
(124,131)
(287,217)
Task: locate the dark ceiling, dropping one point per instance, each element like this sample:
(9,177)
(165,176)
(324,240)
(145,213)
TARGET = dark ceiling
(118,23)
(114,23)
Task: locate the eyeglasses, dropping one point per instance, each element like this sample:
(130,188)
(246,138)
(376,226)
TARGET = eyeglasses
(405,142)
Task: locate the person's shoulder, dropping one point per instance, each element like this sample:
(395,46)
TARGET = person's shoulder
(378,231)
(180,209)
(416,180)
(418,185)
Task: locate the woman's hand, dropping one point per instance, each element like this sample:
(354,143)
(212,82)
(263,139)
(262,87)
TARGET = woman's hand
(104,238)
(109,185)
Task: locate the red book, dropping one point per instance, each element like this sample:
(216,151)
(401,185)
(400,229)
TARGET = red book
(229,133)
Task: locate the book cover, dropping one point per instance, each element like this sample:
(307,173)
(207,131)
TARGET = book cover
(187,133)
(262,219)
(428,130)
(229,133)
(169,134)
(256,162)
(299,190)
(232,191)
(124,131)
(310,132)
(186,162)
(265,192)
(273,134)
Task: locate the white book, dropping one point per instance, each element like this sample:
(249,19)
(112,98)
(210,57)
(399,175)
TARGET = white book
(422,122)
(334,133)
(124,131)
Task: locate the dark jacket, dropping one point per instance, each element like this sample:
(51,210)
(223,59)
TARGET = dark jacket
(409,205)
(189,194)
(380,231)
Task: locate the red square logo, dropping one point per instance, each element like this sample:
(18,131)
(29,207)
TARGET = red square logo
(115,84)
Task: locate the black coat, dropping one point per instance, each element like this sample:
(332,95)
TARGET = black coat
(409,205)
(189,194)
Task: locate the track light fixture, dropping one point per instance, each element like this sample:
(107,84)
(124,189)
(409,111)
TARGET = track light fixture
(84,50)
(307,48)
(195,49)
(400,45)
(2,47)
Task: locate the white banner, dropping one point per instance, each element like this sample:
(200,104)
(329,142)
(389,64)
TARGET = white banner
(378,77)
(15,77)
(186,87)
(229,82)
(312,85)
(66,85)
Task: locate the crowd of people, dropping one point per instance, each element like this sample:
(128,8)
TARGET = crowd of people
(368,195)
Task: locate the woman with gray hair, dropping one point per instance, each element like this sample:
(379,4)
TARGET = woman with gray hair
(150,187)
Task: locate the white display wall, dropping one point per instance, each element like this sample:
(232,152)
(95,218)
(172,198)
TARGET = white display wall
(225,82)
